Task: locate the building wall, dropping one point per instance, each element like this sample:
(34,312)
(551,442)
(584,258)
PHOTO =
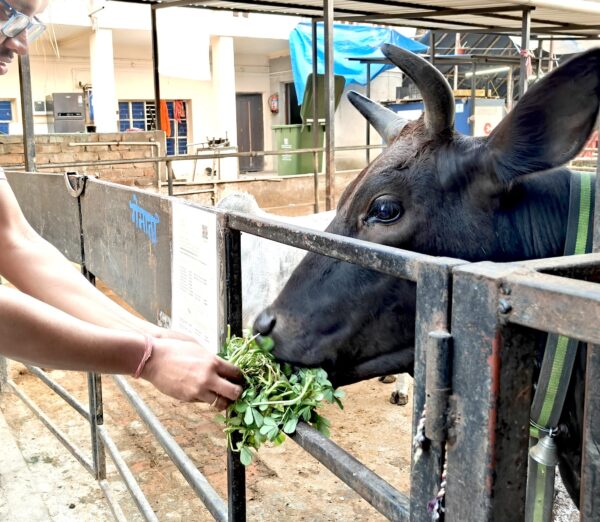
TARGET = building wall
(64,148)
(257,70)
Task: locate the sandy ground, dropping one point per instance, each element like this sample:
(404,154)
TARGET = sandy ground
(284,484)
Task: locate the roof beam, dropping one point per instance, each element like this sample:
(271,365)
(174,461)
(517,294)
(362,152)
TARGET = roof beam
(427,14)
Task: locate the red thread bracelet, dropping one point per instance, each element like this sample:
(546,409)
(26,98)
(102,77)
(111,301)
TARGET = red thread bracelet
(145,357)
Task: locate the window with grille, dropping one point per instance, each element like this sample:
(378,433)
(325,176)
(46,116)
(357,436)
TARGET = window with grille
(6,116)
(177,141)
(142,115)
(136,115)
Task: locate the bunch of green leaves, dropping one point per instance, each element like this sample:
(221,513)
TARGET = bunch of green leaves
(275,397)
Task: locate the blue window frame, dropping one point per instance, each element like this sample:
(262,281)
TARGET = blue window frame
(178,139)
(136,115)
(6,116)
(141,115)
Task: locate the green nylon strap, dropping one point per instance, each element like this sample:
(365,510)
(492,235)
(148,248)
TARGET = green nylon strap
(560,352)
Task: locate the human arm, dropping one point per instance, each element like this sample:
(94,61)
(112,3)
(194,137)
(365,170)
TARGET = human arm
(33,332)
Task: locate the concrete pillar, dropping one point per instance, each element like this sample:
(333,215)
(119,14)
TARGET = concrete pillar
(102,66)
(223,82)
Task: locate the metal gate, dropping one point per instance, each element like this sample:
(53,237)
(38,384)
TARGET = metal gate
(487,393)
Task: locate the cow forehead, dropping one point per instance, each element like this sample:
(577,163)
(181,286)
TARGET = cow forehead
(393,165)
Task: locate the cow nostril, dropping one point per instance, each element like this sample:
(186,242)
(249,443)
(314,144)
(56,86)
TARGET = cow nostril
(265,322)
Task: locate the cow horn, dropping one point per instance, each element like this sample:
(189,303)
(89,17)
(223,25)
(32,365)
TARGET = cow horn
(386,122)
(437,95)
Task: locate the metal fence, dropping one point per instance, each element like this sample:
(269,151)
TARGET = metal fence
(483,383)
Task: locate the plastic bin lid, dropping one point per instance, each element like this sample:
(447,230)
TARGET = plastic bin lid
(306,111)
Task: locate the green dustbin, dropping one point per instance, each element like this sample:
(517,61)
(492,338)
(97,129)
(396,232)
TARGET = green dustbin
(294,137)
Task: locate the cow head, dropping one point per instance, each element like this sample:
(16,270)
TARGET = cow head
(440,193)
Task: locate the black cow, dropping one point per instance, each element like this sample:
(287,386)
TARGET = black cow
(435,191)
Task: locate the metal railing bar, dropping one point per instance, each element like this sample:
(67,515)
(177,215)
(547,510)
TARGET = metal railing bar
(210,498)
(187,157)
(382,496)
(115,509)
(551,303)
(132,485)
(388,260)
(192,192)
(57,432)
(585,263)
(60,391)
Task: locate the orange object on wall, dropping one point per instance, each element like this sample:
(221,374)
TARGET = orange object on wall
(165,124)
(178,110)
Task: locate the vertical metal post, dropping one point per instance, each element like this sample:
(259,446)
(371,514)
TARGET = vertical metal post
(590,454)
(96,419)
(473,97)
(155,63)
(170,176)
(509,89)
(329,106)
(368,93)
(3,373)
(491,399)
(27,112)
(551,55)
(525,43)
(457,47)
(3,363)
(433,308)
(316,123)
(538,68)
(96,407)
(236,473)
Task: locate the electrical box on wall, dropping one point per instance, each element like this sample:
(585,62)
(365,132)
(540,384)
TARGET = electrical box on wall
(39,107)
(66,112)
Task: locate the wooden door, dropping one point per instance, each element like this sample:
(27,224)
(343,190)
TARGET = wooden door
(250,130)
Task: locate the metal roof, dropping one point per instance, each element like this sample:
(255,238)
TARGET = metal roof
(548,17)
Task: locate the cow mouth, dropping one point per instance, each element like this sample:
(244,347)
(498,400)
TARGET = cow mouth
(398,361)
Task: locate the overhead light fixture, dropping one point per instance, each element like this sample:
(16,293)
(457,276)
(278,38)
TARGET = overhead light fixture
(487,72)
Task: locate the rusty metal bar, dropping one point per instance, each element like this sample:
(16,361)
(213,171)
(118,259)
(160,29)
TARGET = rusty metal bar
(590,452)
(589,500)
(490,402)
(388,260)
(555,304)
(434,294)
(438,384)
(370,486)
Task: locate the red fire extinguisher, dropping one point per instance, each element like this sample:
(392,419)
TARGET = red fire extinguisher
(274,103)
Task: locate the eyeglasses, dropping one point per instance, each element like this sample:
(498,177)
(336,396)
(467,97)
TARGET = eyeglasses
(17,22)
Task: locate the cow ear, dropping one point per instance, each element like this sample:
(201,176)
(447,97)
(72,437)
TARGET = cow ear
(550,124)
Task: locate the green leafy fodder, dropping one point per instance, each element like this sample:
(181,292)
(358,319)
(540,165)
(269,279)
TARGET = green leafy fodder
(274,399)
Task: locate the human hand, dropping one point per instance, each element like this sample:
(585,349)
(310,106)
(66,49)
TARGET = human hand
(186,371)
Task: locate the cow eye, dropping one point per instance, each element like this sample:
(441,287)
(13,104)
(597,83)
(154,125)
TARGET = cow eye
(384,210)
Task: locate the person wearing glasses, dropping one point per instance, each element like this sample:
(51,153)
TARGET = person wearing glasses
(54,318)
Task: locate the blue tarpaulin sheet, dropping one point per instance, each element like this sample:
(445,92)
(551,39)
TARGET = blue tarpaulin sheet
(349,41)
